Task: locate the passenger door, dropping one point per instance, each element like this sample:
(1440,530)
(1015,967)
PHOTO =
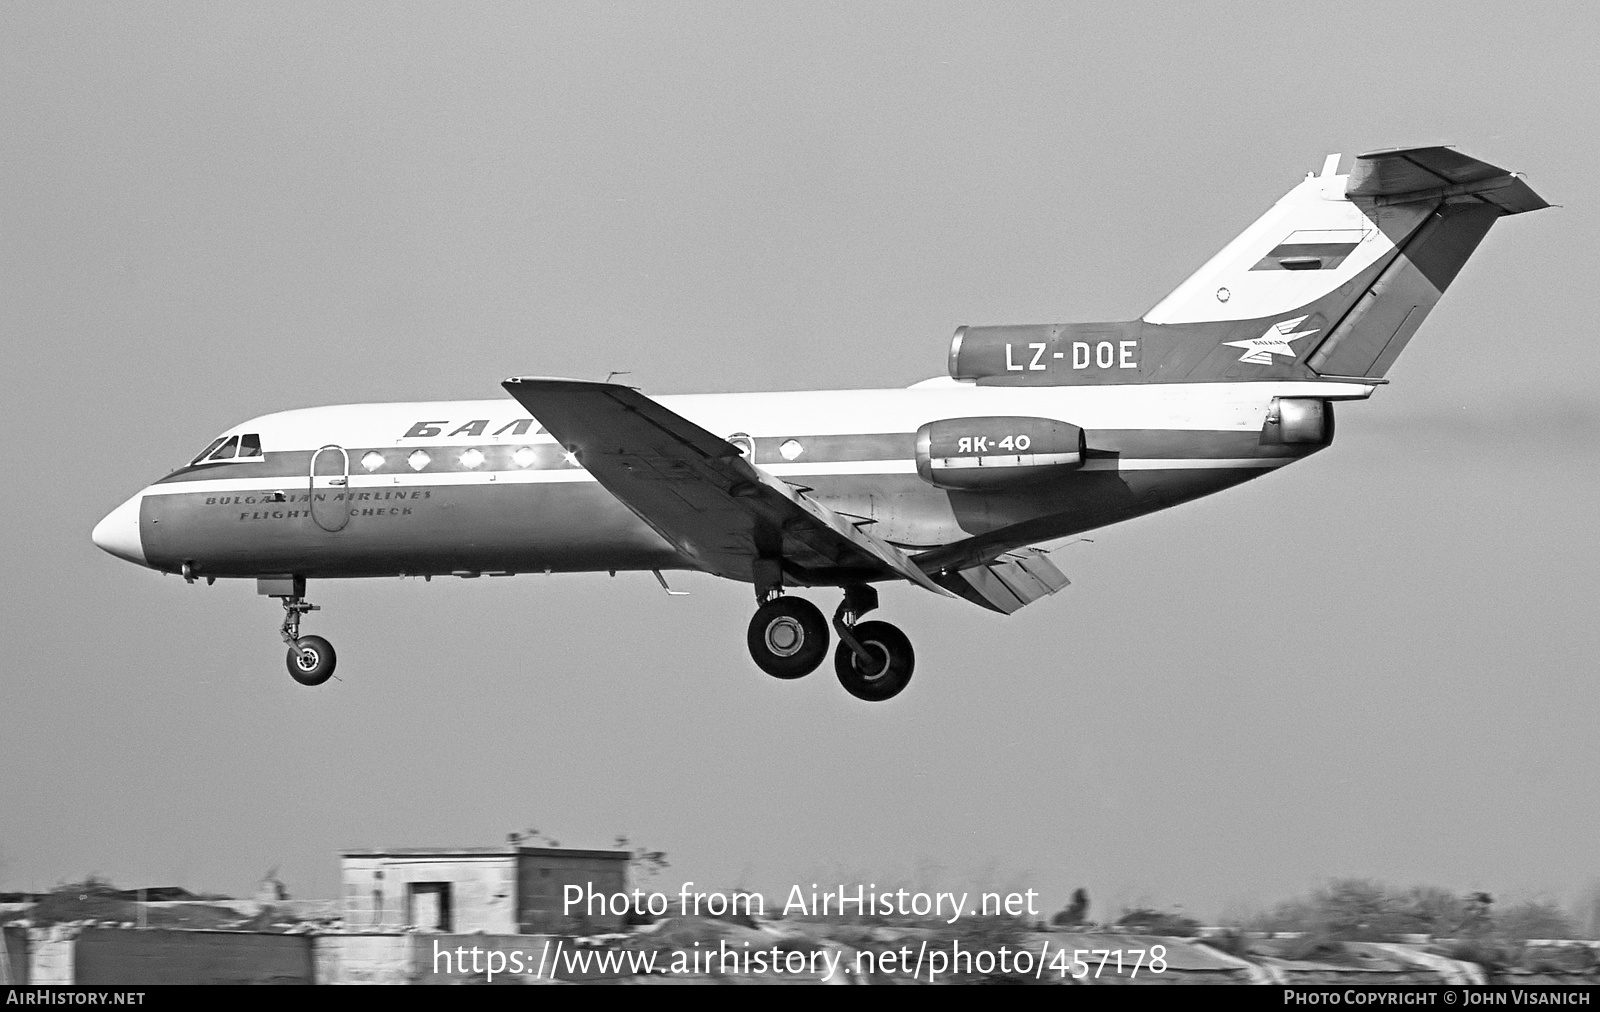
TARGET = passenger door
(329,485)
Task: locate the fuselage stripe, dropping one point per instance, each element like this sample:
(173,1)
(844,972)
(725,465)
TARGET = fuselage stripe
(818,469)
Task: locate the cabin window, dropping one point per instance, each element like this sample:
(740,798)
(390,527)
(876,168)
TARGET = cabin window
(250,445)
(226,450)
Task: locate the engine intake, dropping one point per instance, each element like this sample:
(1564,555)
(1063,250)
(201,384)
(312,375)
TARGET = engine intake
(996,451)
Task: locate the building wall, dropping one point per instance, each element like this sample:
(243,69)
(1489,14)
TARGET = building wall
(378,894)
(450,959)
(50,954)
(161,956)
(14,968)
(415,958)
(363,959)
(542,878)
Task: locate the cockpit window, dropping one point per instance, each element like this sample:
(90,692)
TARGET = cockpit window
(235,448)
(207,451)
(226,450)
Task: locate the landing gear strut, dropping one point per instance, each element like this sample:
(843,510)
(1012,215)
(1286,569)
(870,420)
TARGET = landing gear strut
(311,658)
(874,660)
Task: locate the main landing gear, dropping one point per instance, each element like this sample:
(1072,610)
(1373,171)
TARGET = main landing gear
(311,659)
(788,639)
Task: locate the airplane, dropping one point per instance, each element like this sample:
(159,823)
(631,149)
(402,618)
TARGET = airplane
(959,485)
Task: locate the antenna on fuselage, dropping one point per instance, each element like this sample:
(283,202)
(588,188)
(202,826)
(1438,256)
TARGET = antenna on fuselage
(663,581)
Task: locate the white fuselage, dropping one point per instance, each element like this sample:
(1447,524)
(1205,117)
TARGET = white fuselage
(473,487)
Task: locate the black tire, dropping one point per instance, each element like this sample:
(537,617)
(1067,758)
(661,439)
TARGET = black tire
(311,660)
(788,637)
(892,676)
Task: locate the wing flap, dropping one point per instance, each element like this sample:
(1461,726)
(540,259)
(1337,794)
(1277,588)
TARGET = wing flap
(1009,583)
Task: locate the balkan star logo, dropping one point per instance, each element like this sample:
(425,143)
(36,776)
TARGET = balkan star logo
(1259,350)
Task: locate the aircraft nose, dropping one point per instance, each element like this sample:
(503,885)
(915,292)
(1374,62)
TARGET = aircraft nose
(118,533)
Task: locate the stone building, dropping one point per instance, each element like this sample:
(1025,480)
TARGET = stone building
(464,890)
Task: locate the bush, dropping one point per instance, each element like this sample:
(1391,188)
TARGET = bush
(1232,942)
(1494,955)
(1535,920)
(1075,912)
(1155,922)
(1365,910)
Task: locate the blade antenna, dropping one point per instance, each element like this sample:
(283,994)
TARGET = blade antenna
(663,581)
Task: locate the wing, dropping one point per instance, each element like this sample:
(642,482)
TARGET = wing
(699,492)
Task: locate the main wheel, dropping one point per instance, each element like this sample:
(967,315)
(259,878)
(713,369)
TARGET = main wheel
(881,681)
(788,637)
(311,660)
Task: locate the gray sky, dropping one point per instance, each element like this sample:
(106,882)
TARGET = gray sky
(1377,662)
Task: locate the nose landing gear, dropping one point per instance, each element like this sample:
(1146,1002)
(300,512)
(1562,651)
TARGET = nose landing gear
(311,659)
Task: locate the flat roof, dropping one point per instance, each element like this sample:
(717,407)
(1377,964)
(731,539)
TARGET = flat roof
(446,852)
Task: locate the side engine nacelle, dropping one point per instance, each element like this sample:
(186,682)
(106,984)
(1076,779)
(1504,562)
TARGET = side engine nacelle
(996,451)
(1298,421)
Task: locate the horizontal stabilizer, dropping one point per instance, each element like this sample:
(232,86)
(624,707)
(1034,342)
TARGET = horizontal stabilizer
(1008,583)
(1403,175)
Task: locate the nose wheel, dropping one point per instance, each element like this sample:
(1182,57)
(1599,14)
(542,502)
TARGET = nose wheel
(311,659)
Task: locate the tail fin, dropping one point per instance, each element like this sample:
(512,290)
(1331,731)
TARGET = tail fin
(1330,283)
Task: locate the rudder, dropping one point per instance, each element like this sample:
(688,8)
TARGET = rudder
(1467,197)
